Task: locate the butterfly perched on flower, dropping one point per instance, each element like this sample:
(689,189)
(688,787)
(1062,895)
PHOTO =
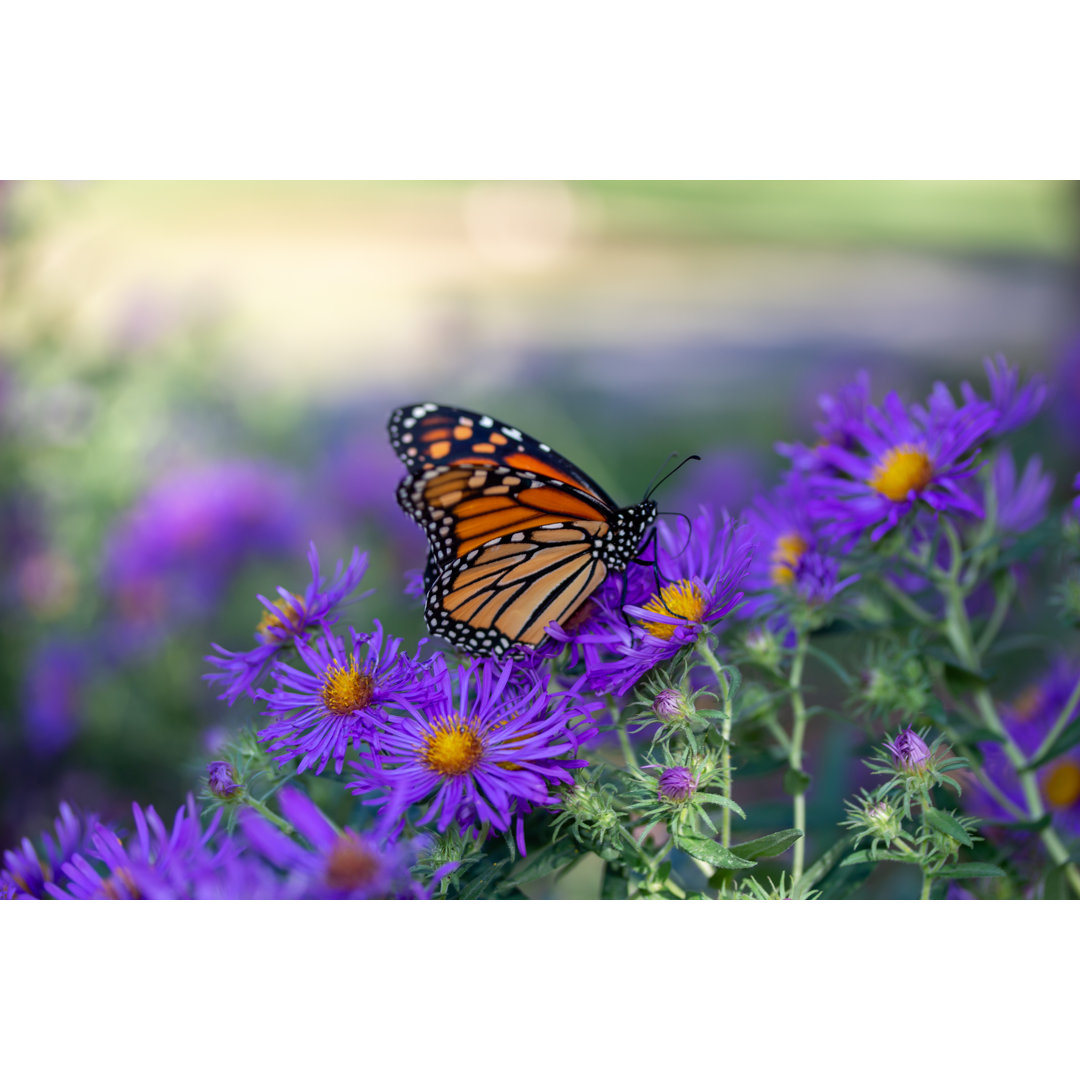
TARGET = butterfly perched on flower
(518,536)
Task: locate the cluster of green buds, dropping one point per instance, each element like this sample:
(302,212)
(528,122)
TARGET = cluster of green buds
(679,710)
(589,810)
(900,820)
(676,791)
(894,685)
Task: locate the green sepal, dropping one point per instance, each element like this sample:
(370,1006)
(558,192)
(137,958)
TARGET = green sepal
(795,782)
(947,824)
(721,800)
(765,847)
(969,869)
(711,852)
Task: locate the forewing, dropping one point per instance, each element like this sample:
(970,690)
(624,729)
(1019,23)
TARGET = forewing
(508,590)
(428,435)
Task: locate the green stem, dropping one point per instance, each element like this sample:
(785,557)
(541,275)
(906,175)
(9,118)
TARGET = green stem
(627,749)
(905,603)
(725,730)
(269,814)
(798,730)
(927,881)
(1002,604)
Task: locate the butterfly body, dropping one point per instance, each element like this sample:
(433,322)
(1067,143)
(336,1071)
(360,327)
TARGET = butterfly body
(518,536)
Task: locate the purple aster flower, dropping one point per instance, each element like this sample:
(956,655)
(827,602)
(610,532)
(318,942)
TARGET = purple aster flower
(844,415)
(1029,719)
(158,863)
(288,619)
(670,704)
(703,566)
(1014,406)
(345,691)
(1066,397)
(27,870)
(53,695)
(909,751)
(1021,504)
(485,751)
(332,863)
(172,555)
(222,780)
(903,460)
(676,784)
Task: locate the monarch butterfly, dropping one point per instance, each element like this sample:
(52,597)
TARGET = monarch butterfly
(518,536)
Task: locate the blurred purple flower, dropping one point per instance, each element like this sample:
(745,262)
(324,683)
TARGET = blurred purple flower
(723,478)
(1029,718)
(1021,505)
(53,692)
(1066,396)
(286,620)
(171,556)
(221,780)
(1015,406)
(333,864)
(27,870)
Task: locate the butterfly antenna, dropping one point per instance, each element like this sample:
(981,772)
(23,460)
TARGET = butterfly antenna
(653,486)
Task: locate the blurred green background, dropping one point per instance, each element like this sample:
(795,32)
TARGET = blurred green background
(195,378)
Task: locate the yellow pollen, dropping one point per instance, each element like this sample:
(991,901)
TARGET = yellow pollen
(901,471)
(682,599)
(350,864)
(346,689)
(453,748)
(785,555)
(287,619)
(1062,785)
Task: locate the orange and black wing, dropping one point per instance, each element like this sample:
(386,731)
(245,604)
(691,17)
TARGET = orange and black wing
(429,435)
(506,591)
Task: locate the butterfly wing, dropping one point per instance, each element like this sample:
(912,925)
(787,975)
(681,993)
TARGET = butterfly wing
(428,435)
(519,537)
(507,591)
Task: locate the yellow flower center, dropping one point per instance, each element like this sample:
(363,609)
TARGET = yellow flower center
(1062,785)
(346,689)
(786,553)
(453,748)
(683,599)
(350,864)
(289,615)
(902,470)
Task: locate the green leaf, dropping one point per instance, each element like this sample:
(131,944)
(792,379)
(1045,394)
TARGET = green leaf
(1056,884)
(765,847)
(711,852)
(969,869)
(857,858)
(832,664)
(1069,737)
(547,861)
(947,824)
(822,865)
(796,782)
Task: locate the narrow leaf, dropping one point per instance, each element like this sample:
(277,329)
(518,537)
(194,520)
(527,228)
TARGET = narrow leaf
(765,847)
(1069,737)
(970,869)
(711,852)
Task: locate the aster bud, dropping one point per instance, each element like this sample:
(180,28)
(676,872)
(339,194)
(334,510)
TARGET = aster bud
(909,752)
(222,780)
(676,784)
(883,820)
(670,706)
(763,646)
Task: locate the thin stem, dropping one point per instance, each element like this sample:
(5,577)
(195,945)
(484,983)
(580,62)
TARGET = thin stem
(798,730)
(627,749)
(725,730)
(1001,608)
(902,600)
(927,881)
(266,812)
